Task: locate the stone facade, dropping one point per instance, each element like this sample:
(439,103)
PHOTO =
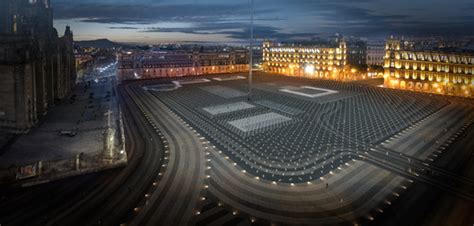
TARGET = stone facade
(357,53)
(375,53)
(176,64)
(324,61)
(429,71)
(37,67)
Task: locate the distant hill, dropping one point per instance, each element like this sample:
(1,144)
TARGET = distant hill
(100,43)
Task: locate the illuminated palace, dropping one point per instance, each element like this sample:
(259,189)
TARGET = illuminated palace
(441,72)
(145,65)
(328,61)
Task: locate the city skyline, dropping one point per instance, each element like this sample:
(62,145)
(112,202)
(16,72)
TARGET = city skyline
(150,21)
(340,113)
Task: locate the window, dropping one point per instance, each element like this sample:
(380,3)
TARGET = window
(15,24)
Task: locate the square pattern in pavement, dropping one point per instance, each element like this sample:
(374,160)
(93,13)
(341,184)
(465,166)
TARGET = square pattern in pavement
(224,92)
(309,91)
(226,108)
(259,121)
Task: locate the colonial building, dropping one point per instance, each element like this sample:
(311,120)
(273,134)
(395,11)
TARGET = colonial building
(36,66)
(375,53)
(328,60)
(357,53)
(430,71)
(144,65)
(84,63)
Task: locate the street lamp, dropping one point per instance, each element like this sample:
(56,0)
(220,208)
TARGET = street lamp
(251,50)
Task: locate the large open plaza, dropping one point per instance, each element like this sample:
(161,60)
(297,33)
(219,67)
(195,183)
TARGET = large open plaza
(295,130)
(236,113)
(296,151)
(295,143)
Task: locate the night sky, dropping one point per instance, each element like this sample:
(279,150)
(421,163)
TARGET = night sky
(153,21)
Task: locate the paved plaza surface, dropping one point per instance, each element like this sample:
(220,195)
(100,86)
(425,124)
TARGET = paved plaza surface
(280,145)
(85,115)
(199,155)
(304,158)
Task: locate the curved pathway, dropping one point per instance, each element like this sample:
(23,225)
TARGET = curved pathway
(179,188)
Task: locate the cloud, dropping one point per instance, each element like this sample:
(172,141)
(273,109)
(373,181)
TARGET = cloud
(130,13)
(231,20)
(234,30)
(124,28)
(281,19)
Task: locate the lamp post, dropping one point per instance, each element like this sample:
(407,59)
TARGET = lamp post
(446,81)
(251,50)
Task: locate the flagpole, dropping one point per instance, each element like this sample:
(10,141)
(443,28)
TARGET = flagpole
(251,50)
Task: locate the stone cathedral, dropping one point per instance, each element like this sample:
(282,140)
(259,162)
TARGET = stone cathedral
(37,67)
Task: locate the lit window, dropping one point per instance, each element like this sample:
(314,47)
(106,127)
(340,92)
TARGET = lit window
(15,24)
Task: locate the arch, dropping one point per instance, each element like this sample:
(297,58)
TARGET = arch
(426,87)
(395,84)
(419,86)
(450,89)
(457,90)
(403,85)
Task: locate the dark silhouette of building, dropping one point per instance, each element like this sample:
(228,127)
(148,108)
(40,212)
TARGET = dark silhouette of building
(357,53)
(37,67)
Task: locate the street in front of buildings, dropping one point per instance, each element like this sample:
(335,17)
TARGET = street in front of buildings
(80,134)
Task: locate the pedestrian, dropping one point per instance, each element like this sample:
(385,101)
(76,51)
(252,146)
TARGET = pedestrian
(327,185)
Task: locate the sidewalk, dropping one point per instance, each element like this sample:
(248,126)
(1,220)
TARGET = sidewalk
(83,122)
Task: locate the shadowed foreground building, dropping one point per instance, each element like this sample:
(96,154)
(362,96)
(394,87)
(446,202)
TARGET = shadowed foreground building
(36,66)
(448,72)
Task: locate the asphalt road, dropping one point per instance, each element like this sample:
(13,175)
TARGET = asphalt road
(179,188)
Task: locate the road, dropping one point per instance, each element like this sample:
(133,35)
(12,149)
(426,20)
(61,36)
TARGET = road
(106,198)
(184,173)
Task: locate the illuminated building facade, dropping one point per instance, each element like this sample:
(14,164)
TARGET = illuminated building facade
(177,63)
(327,61)
(440,72)
(376,53)
(83,62)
